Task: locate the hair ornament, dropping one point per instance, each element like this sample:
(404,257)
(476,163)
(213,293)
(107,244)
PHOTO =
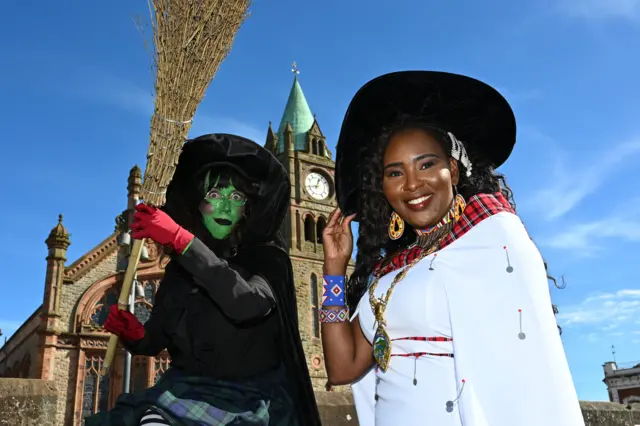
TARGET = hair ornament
(459,152)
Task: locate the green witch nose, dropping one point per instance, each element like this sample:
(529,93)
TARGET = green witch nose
(225,205)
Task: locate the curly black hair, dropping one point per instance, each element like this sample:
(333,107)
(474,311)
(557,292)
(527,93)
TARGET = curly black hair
(374,211)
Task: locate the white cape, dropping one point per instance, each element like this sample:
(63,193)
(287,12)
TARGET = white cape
(506,345)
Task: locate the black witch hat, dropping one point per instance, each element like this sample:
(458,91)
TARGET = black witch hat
(476,113)
(272,188)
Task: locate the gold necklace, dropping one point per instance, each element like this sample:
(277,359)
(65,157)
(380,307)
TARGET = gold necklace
(381,340)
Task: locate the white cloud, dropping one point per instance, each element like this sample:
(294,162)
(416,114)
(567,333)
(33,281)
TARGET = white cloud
(572,183)
(606,314)
(98,86)
(602,9)
(587,238)
(584,238)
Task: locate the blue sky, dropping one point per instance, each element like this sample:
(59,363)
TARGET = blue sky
(76,99)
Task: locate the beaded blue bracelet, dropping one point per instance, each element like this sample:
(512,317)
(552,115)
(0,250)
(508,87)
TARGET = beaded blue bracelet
(333,290)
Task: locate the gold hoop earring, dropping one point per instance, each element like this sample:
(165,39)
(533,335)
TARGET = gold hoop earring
(396,226)
(458,206)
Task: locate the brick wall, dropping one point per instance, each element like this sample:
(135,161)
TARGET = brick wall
(66,361)
(303,268)
(65,379)
(22,346)
(71,293)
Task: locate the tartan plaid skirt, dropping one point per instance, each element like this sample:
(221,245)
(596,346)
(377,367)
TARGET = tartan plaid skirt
(200,401)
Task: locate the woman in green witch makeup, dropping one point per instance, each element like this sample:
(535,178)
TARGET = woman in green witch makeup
(226,308)
(223,206)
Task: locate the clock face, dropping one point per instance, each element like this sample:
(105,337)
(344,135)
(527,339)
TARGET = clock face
(317,186)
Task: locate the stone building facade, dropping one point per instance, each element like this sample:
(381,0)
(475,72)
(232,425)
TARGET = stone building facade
(63,340)
(623,384)
(301,147)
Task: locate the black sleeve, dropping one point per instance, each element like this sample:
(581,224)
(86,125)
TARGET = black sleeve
(240,299)
(155,339)
(275,264)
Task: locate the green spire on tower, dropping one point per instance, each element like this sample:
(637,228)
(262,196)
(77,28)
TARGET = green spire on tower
(297,114)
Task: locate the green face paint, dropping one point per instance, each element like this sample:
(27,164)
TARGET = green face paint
(222,209)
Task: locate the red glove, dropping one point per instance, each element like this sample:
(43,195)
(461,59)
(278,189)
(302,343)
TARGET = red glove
(124,325)
(150,222)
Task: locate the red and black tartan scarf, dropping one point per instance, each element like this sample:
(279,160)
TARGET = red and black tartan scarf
(479,207)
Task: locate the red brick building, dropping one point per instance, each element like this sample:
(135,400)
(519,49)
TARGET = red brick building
(623,384)
(63,340)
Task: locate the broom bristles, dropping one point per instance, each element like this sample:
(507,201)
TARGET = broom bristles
(191,38)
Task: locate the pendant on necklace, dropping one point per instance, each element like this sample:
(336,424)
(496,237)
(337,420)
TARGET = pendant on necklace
(381,348)
(379,310)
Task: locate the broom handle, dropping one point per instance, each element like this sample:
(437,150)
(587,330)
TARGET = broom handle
(123,300)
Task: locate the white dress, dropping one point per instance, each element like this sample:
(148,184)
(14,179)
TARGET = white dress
(488,292)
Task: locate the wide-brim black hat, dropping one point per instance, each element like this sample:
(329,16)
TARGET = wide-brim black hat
(476,113)
(270,200)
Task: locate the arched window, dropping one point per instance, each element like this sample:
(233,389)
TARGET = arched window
(309,228)
(140,373)
(322,222)
(161,365)
(313,289)
(321,148)
(633,399)
(101,309)
(298,230)
(95,391)
(25,367)
(144,370)
(314,147)
(145,296)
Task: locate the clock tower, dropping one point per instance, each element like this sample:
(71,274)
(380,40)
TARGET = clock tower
(301,147)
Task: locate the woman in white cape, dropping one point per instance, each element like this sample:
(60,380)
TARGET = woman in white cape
(451,318)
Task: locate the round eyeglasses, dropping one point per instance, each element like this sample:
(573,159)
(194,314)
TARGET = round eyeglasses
(236,198)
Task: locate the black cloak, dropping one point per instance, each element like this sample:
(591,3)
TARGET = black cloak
(261,249)
(260,253)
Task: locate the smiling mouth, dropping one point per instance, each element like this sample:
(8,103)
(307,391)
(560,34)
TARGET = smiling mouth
(223,222)
(417,201)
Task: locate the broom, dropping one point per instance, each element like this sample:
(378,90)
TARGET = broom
(191,38)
